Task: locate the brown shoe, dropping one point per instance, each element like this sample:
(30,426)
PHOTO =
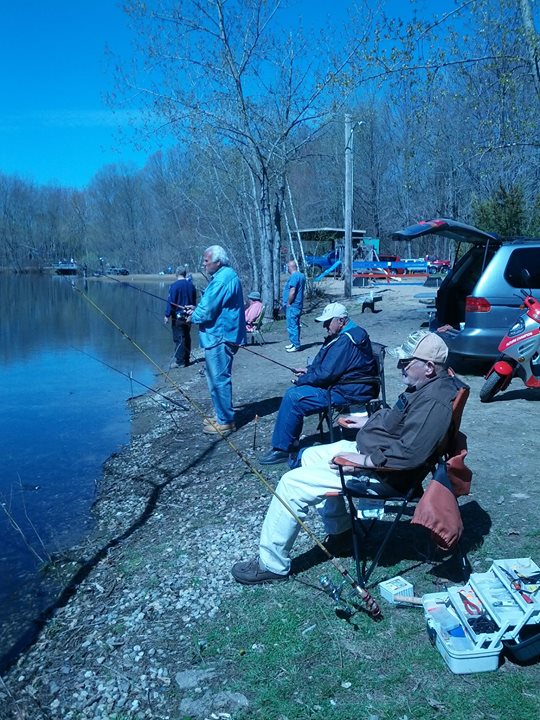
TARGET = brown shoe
(250,572)
(219,429)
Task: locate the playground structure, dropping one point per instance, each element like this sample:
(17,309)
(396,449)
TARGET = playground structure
(327,251)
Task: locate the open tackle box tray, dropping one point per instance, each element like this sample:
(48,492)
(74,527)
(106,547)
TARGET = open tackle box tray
(472,624)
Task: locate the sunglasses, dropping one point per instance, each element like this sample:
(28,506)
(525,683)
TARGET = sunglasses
(405,362)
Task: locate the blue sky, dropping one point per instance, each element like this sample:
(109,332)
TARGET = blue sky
(55,126)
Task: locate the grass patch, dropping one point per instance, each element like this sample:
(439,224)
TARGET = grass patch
(284,648)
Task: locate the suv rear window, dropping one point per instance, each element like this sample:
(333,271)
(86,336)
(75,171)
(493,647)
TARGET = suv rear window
(528,258)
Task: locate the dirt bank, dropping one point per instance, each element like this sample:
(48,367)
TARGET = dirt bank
(176,508)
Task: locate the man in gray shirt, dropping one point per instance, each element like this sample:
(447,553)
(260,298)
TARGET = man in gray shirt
(402,438)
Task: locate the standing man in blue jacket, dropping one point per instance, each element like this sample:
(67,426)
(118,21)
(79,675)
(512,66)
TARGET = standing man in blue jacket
(345,357)
(293,302)
(181,293)
(220,317)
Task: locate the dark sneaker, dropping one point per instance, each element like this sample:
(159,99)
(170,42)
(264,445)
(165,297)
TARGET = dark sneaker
(340,545)
(249,572)
(273,457)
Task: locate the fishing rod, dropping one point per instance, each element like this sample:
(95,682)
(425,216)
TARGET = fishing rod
(142,290)
(265,357)
(182,307)
(147,292)
(372,608)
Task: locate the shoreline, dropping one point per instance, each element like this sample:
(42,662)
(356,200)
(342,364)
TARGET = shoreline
(175,509)
(117,489)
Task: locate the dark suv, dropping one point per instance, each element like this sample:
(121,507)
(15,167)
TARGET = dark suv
(479,298)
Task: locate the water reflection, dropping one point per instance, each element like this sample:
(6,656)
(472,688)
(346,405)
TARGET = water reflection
(62,413)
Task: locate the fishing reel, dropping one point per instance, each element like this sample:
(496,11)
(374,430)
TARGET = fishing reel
(342,609)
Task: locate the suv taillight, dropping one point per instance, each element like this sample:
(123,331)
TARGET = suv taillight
(477,304)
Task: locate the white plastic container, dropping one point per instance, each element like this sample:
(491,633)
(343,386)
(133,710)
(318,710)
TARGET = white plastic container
(395,586)
(453,641)
(471,638)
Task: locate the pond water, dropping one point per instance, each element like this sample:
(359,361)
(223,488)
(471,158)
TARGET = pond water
(63,411)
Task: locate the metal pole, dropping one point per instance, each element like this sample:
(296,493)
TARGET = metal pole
(347,255)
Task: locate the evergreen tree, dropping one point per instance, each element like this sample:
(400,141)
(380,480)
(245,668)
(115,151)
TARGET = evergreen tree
(503,213)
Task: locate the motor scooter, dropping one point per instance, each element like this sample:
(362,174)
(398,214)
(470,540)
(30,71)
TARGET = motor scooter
(520,351)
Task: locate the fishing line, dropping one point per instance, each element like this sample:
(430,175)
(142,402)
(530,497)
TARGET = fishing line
(147,292)
(265,357)
(371,605)
(141,290)
(158,297)
(133,379)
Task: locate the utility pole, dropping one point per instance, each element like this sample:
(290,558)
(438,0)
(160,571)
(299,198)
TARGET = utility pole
(347,254)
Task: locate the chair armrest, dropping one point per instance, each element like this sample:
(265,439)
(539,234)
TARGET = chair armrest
(345,462)
(343,422)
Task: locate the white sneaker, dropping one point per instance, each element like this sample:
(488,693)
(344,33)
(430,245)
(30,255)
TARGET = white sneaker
(293,349)
(289,346)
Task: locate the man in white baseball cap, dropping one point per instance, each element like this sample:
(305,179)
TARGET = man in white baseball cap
(344,359)
(333,310)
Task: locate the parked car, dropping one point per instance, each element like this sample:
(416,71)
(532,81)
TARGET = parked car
(117,271)
(479,298)
(437,266)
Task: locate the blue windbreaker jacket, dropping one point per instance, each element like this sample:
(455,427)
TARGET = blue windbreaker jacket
(220,313)
(343,359)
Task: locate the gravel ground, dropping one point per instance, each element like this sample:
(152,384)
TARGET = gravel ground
(175,509)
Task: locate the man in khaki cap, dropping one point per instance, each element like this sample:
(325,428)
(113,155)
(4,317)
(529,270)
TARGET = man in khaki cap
(401,438)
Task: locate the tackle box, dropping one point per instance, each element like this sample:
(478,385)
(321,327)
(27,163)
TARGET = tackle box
(497,610)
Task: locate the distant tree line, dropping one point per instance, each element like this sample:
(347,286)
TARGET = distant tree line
(446,125)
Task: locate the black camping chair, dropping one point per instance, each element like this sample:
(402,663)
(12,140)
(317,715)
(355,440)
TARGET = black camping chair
(333,410)
(367,509)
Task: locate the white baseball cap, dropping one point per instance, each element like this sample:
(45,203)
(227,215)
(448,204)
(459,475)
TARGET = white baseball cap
(333,310)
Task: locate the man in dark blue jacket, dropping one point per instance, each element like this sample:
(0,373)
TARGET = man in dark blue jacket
(345,357)
(181,293)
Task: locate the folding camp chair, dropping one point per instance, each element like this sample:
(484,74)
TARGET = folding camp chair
(364,508)
(255,335)
(331,412)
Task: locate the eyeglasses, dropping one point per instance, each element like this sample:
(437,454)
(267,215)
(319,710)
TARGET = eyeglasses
(405,362)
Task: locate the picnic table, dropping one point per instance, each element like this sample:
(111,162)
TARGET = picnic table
(368,301)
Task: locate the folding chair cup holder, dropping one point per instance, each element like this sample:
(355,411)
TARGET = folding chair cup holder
(366,509)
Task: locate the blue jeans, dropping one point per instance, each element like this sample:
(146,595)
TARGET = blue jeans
(292,315)
(218,375)
(296,404)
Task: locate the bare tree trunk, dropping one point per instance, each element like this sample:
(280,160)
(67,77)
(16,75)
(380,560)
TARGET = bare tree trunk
(532,40)
(297,233)
(266,238)
(278,214)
